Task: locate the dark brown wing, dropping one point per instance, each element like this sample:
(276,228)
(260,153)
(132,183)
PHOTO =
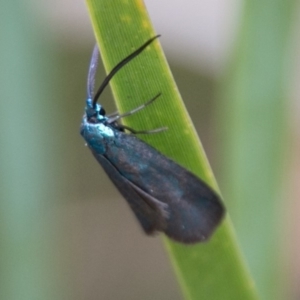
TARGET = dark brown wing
(164,196)
(150,212)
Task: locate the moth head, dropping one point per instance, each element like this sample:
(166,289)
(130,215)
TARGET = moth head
(95,113)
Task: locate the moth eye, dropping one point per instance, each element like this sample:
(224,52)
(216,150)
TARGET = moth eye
(102,111)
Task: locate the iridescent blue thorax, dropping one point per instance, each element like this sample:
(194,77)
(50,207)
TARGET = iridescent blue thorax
(94,127)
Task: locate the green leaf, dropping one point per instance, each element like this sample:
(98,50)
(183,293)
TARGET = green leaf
(213,270)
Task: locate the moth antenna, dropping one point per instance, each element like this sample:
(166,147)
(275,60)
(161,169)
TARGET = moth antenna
(92,72)
(118,67)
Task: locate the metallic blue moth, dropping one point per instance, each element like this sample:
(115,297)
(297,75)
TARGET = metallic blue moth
(163,195)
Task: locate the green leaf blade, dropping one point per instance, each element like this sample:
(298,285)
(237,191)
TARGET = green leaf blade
(212,270)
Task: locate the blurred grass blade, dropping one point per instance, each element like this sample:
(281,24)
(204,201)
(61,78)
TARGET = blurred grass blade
(213,270)
(253,111)
(30,263)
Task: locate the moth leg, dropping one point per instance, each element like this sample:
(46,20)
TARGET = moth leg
(142,131)
(139,107)
(114,114)
(129,113)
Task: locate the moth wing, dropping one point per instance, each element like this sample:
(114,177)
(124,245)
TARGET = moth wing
(150,212)
(194,209)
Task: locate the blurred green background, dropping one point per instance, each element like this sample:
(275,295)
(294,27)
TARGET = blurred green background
(65,232)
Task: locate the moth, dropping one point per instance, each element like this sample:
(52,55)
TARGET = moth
(164,196)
